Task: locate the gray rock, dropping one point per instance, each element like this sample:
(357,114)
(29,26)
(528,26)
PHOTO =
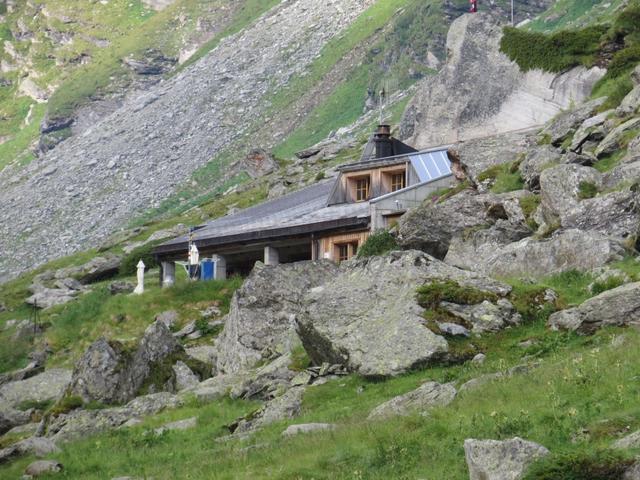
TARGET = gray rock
(178,425)
(480,381)
(501,460)
(486,316)
(611,142)
(453,329)
(283,407)
(185,378)
(293,430)
(187,330)
(107,374)
(369,308)
(431,227)
(633,472)
(11,418)
(204,353)
(265,382)
(536,160)
(37,446)
(479,359)
(121,287)
(43,467)
(260,323)
(617,307)
(519,100)
(589,131)
(45,387)
(50,297)
(630,103)
(259,163)
(212,389)
(169,318)
(629,441)
(566,124)
(98,268)
(426,397)
(79,424)
(565,250)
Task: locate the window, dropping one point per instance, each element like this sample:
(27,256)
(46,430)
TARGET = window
(362,189)
(397,181)
(343,252)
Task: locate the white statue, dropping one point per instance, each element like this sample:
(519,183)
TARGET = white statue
(194,255)
(140,287)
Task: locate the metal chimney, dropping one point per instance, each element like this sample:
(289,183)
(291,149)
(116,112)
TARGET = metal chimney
(382,139)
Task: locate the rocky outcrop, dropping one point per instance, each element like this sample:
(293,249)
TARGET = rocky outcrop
(79,424)
(286,406)
(617,307)
(432,227)
(564,250)
(359,318)
(38,446)
(486,316)
(462,103)
(501,460)
(261,320)
(11,417)
(43,388)
(429,395)
(628,441)
(108,373)
(565,125)
(615,214)
(536,160)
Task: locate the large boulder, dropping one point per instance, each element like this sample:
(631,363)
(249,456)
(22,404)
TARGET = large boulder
(427,396)
(98,268)
(369,309)
(43,388)
(501,460)
(10,418)
(432,226)
(615,214)
(462,101)
(617,307)
(612,142)
(486,316)
(564,250)
(108,373)
(38,446)
(260,323)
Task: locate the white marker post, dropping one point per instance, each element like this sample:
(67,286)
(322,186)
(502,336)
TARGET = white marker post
(140,287)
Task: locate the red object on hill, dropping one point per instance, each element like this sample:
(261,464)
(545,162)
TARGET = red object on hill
(474,6)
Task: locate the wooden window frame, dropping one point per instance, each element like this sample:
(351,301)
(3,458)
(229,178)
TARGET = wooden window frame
(350,250)
(340,247)
(362,193)
(401,184)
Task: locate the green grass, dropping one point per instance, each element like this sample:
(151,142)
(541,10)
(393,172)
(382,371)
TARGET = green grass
(505,177)
(587,190)
(529,204)
(609,162)
(582,385)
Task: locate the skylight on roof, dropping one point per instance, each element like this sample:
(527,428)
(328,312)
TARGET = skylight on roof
(431,165)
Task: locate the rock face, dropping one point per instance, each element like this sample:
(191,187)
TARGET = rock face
(486,316)
(432,227)
(38,446)
(565,250)
(460,103)
(359,318)
(619,306)
(261,321)
(108,374)
(427,396)
(46,387)
(175,127)
(506,460)
(286,406)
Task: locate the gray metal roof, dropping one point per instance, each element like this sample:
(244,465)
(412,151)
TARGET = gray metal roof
(306,207)
(431,165)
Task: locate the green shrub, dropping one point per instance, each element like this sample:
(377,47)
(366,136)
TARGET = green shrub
(587,190)
(529,301)
(378,243)
(129,263)
(608,284)
(553,53)
(431,294)
(506,177)
(599,465)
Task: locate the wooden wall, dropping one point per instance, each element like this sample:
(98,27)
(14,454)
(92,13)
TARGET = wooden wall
(327,245)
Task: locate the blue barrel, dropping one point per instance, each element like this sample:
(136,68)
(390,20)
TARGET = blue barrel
(207,269)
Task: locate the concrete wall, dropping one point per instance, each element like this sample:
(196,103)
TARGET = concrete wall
(400,202)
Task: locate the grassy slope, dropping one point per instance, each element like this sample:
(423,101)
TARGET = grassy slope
(581,397)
